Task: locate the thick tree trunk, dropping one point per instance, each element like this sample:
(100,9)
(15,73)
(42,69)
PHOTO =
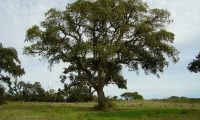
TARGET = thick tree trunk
(101,99)
(100,92)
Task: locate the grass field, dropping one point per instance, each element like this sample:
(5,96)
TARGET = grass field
(125,110)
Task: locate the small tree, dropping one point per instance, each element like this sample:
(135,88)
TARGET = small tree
(194,66)
(9,66)
(99,37)
(132,96)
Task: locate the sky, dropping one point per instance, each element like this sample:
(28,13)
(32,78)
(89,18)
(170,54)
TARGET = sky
(16,16)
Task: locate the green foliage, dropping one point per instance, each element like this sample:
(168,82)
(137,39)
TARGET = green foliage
(9,63)
(54,96)
(97,38)
(182,99)
(28,92)
(76,94)
(22,91)
(176,97)
(132,96)
(78,89)
(194,66)
(9,66)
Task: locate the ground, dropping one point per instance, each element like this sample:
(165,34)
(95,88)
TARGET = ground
(125,110)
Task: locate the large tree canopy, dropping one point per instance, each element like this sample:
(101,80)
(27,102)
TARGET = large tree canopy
(194,66)
(99,37)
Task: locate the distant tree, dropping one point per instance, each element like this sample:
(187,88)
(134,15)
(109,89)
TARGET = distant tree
(99,37)
(132,96)
(50,95)
(113,98)
(22,91)
(176,97)
(194,66)
(60,96)
(136,96)
(15,91)
(38,92)
(78,89)
(126,95)
(9,66)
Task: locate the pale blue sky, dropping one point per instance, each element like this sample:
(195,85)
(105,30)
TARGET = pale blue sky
(16,16)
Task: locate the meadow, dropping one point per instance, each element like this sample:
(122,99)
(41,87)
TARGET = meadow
(124,110)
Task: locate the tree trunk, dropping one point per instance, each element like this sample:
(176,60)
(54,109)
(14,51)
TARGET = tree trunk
(101,99)
(100,92)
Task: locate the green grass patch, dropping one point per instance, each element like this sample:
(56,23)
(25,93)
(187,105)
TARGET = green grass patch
(129,110)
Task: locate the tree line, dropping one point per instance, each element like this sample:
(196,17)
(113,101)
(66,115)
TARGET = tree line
(34,92)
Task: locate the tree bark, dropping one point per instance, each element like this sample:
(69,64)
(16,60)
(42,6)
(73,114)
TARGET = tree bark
(101,99)
(100,92)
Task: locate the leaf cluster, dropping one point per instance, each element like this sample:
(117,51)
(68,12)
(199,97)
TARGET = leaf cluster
(9,63)
(194,66)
